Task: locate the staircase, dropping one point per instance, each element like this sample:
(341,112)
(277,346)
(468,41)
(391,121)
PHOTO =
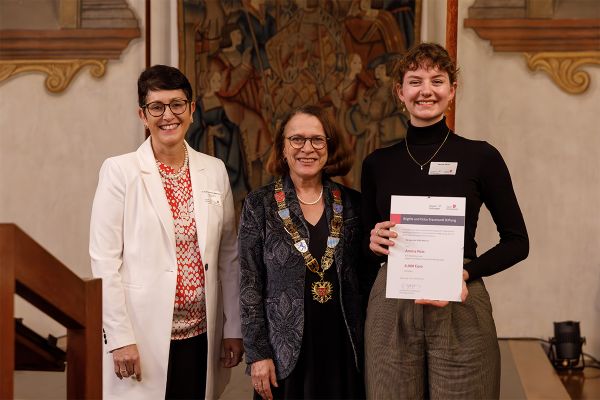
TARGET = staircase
(28,270)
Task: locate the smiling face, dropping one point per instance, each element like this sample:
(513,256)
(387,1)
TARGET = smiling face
(306,163)
(168,130)
(426,92)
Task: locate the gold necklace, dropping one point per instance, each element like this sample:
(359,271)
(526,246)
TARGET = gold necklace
(321,290)
(431,158)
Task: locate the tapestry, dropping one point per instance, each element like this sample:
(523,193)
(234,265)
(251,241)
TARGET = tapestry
(252,61)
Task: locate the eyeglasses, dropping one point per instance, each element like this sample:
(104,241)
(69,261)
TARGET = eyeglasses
(317,142)
(157,108)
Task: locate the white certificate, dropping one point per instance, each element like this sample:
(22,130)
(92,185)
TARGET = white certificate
(426,260)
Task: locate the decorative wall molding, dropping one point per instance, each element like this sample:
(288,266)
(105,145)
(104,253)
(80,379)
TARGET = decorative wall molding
(537,35)
(59,72)
(91,33)
(19,44)
(553,42)
(563,68)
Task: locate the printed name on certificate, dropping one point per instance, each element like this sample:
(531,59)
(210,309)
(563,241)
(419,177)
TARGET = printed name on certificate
(426,261)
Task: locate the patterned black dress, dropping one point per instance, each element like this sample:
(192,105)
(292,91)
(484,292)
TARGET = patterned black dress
(326,367)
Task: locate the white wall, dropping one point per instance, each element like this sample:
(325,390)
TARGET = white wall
(433,21)
(51,149)
(550,141)
(164,35)
(52,146)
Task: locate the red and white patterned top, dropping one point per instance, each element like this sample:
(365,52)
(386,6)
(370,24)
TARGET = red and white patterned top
(189,316)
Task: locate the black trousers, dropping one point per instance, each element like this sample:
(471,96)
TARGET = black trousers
(186,376)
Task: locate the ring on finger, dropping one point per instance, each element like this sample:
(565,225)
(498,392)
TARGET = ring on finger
(377,232)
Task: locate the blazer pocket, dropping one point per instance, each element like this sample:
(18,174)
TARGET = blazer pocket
(134,286)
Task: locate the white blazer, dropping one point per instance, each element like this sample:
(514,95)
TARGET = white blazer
(132,248)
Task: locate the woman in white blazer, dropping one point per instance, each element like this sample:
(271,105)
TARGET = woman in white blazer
(163,240)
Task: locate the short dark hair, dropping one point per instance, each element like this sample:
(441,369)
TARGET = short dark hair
(427,55)
(339,156)
(162,77)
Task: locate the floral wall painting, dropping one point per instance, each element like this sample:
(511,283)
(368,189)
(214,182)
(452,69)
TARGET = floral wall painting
(252,61)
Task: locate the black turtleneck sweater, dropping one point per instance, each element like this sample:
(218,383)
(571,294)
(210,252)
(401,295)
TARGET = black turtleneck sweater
(481,177)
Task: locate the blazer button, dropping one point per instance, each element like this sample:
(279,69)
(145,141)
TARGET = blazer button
(206,267)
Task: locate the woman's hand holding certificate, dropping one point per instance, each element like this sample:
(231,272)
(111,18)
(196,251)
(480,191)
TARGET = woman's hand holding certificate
(381,240)
(424,242)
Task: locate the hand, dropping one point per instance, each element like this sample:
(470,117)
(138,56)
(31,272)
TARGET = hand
(234,350)
(380,237)
(263,376)
(126,361)
(439,303)
(465,291)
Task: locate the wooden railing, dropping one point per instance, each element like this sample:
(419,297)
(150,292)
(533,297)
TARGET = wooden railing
(28,270)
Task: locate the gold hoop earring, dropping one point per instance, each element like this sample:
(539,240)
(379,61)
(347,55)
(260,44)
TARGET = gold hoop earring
(402,106)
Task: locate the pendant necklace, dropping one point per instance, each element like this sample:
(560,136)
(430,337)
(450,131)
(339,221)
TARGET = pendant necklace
(431,158)
(321,290)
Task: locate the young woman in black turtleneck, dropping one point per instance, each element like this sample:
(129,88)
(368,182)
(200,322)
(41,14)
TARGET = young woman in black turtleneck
(429,348)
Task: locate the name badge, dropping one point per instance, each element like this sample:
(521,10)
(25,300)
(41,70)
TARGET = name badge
(443,168)
(213,198)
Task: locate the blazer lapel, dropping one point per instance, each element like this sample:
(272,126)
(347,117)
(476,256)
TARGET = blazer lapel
(294,207)
(199,186)
(156,191)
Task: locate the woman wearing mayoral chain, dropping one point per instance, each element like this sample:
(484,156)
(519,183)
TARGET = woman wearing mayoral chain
(299,242)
